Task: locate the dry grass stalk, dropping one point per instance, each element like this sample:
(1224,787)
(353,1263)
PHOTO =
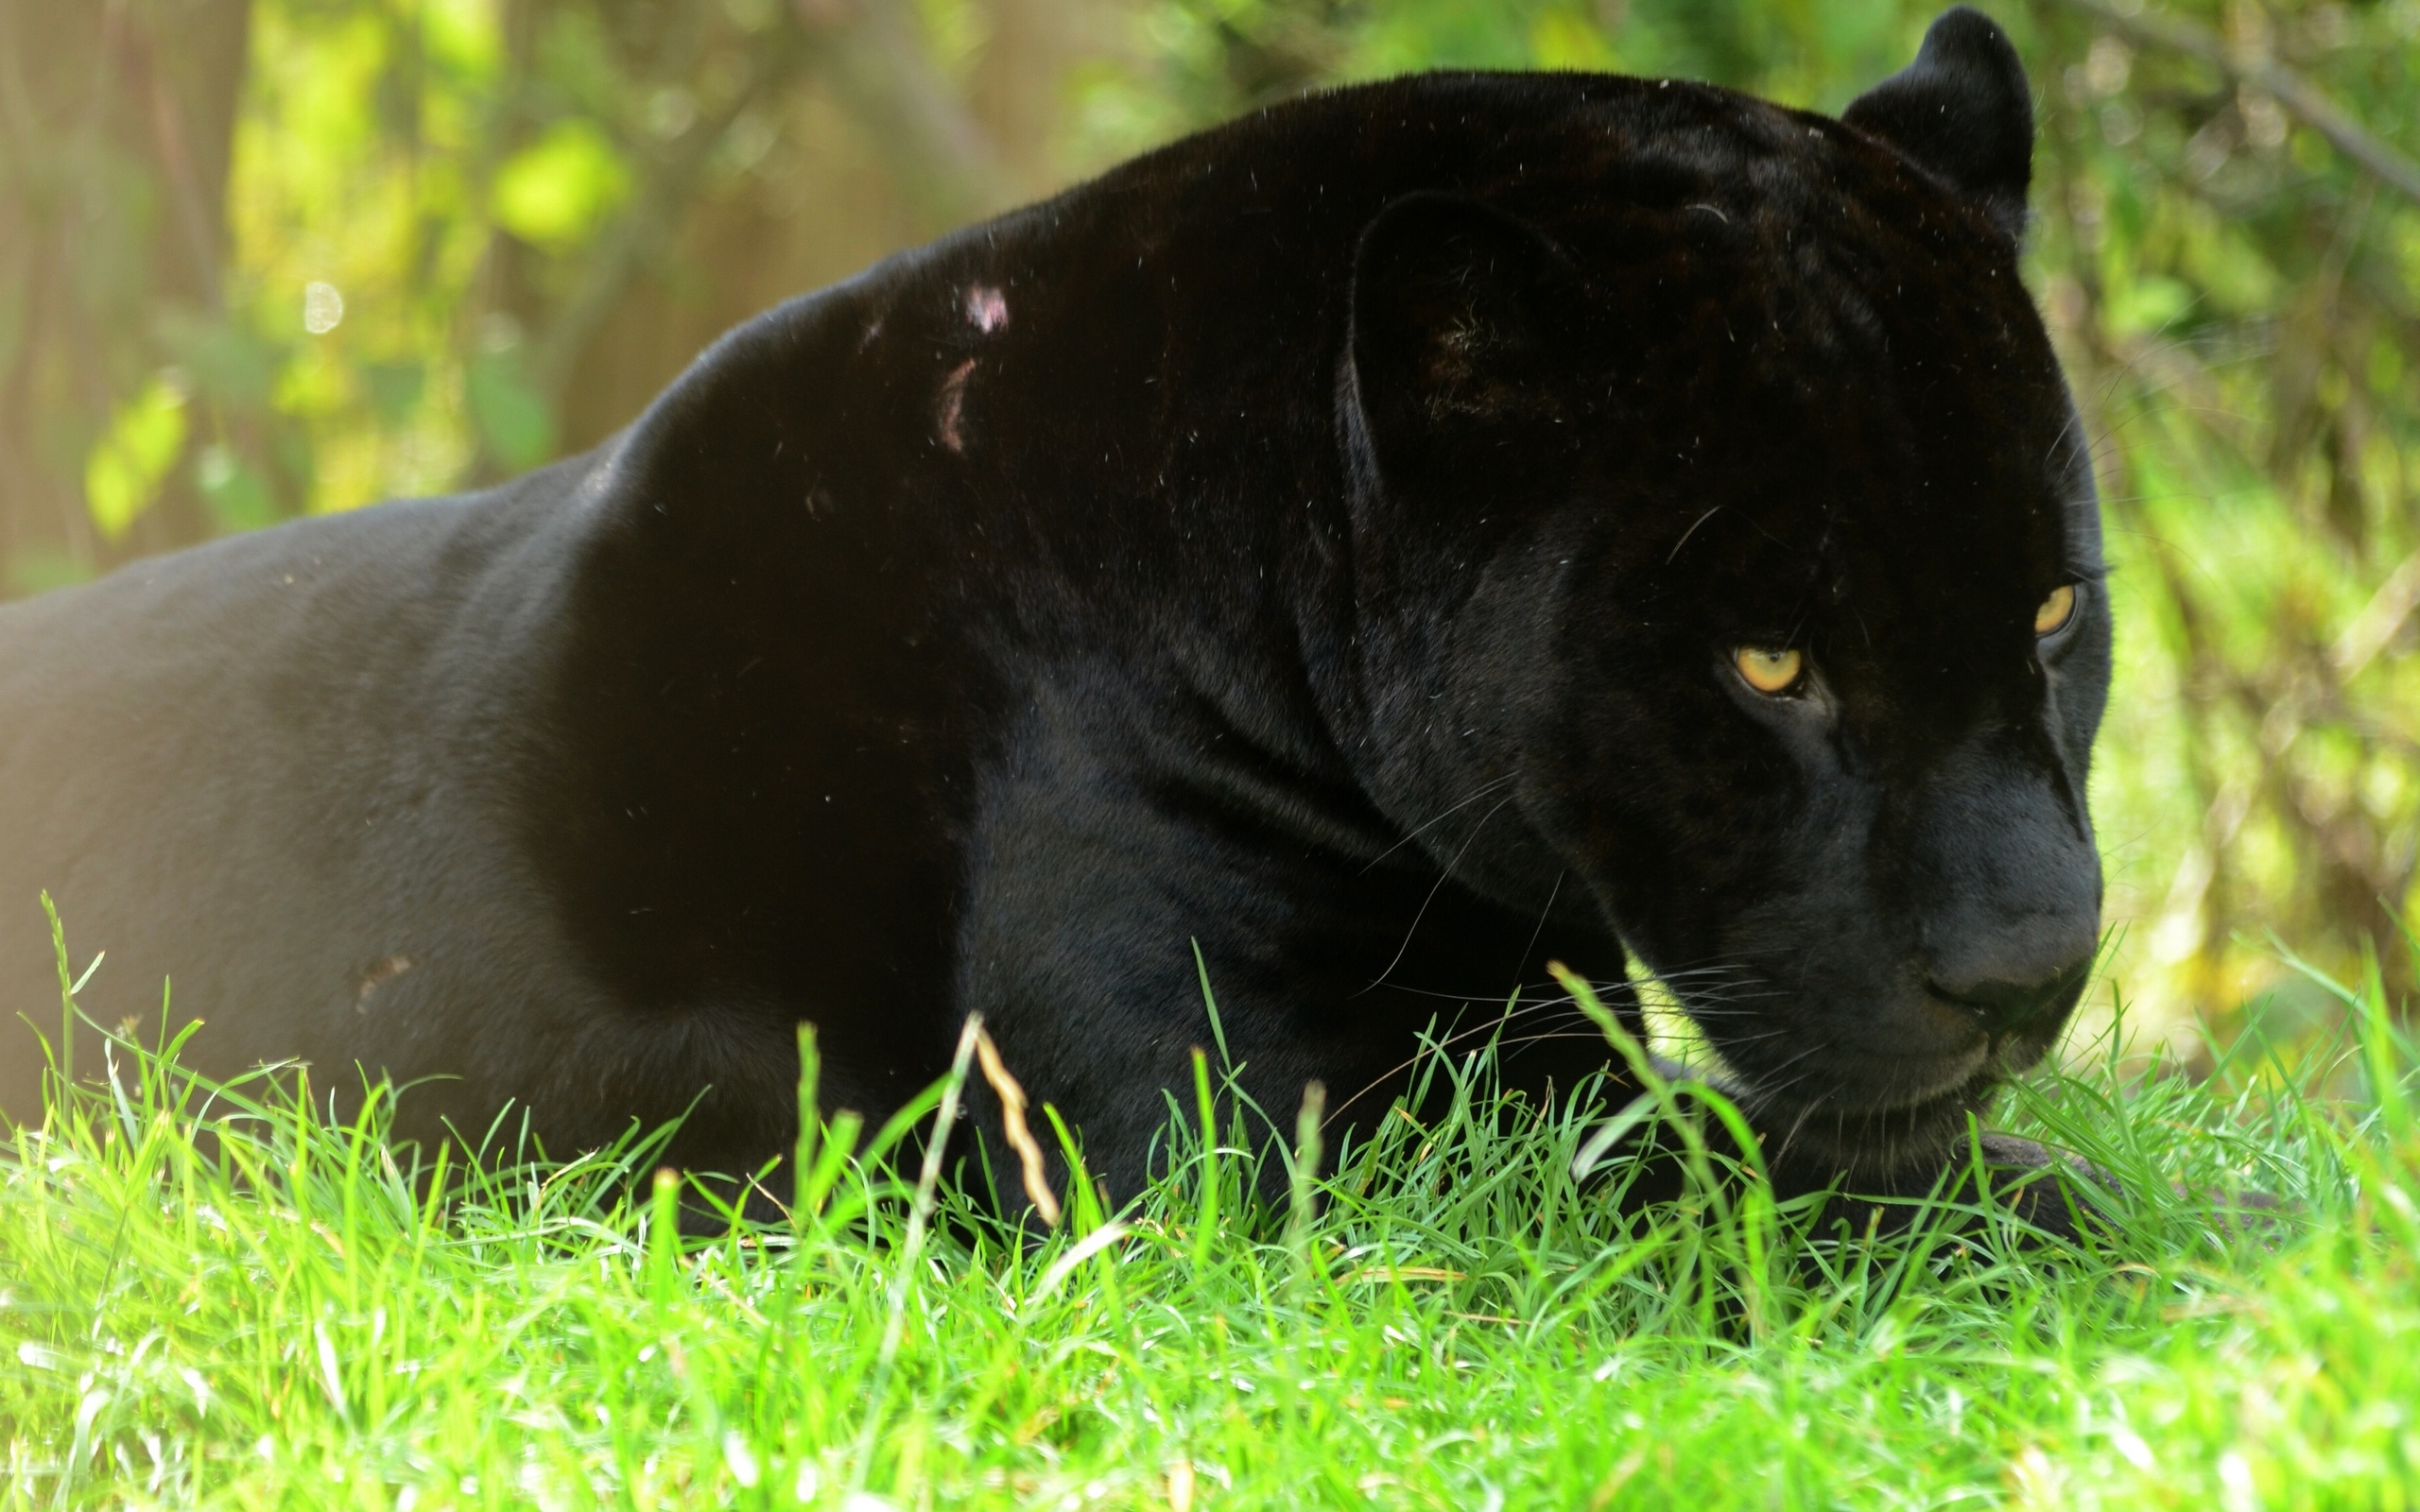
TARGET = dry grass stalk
(1012,1106)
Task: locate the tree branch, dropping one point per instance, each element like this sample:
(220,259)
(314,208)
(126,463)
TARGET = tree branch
(939,153)
(2299,96)
(652,216)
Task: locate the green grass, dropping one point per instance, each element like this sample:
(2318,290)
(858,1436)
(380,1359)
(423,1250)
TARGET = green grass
(209,1296)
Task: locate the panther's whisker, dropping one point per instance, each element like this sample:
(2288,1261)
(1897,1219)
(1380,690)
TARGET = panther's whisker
(1436,888)
(1483,790)
(1544,914)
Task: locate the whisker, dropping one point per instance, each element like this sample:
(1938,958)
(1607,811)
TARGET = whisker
(1411,834)
(1565,1013)
(1436,888)
(1544,914)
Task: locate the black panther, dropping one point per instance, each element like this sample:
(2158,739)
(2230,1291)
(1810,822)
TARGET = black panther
(1387,543)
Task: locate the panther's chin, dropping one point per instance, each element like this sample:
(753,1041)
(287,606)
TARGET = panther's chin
(1876,1118)
(1867,1142)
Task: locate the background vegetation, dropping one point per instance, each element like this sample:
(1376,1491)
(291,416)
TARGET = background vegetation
(260,258)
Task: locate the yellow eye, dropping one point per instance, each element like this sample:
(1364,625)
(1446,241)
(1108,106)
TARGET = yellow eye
(1767,670)
(2056,610)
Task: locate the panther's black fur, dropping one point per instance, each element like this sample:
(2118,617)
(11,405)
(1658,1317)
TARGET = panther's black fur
(1325,540)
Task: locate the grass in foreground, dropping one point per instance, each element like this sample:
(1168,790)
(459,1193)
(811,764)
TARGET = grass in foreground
(209,1296)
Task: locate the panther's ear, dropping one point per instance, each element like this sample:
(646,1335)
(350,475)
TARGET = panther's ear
(1460,314)
(1964,109)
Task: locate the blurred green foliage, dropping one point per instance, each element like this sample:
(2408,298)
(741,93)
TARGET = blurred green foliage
(260,258)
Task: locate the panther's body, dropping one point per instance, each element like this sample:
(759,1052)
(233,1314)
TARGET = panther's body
(1326,539)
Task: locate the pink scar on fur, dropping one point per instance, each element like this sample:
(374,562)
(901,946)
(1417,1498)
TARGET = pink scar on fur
(378,976)
(954,404)
(987,307)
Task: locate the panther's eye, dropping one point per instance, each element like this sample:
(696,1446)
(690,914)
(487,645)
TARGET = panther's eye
(2056,610)
(1769,669)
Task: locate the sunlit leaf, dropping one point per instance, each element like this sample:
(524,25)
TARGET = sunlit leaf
(2148,304)
(553,193)
(1564,39)
(126,467)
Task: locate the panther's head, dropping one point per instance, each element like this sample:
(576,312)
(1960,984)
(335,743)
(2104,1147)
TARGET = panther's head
(1758,563)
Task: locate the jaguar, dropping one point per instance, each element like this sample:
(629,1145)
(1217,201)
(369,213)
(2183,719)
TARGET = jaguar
(1343,560)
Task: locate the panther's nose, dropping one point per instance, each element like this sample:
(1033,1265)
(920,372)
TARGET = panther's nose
(2007,887)
(2011,1004)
